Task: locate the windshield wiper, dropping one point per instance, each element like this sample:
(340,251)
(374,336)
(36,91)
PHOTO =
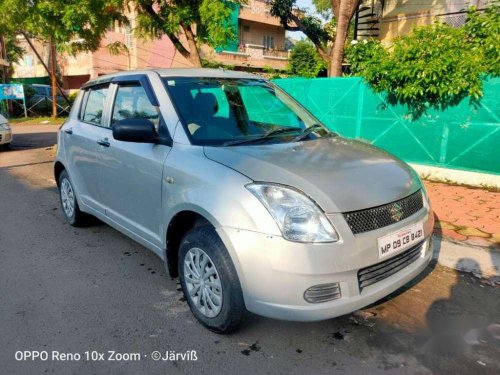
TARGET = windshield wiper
(262,137)
(306,132)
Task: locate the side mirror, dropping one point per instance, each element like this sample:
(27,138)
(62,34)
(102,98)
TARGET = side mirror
(137,130)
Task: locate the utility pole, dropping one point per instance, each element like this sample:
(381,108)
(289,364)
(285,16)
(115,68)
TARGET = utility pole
(53,78)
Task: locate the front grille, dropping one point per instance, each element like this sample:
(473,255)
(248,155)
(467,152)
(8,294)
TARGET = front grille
(382,216)
(380,271)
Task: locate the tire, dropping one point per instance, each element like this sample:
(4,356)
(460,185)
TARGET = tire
(67,196)
(222,316)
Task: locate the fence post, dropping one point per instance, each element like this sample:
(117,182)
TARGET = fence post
(444,144)
(359,113)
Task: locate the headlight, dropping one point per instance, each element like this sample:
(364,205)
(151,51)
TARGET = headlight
(297,216)
(5,126)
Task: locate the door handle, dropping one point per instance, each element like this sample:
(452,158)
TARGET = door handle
(104,142)
(68,131)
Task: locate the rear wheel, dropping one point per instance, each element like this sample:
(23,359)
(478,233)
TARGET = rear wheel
(209,281)
(69,204)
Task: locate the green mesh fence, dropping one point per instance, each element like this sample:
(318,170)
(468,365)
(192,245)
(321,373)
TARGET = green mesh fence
(460,137)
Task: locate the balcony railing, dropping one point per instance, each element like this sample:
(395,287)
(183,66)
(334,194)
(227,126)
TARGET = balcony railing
(275,53)
(256,55)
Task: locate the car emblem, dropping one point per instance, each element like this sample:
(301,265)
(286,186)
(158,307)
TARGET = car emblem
(396,212)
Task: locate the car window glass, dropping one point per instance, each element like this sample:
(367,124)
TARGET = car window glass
(262,105)
(215,111)
(132,102)
(220,98)
(40,90)
(95,105)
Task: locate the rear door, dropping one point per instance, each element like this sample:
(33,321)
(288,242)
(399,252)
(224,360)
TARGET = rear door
(81,144)
(130,174)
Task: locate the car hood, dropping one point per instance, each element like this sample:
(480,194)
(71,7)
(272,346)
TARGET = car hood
(341,175)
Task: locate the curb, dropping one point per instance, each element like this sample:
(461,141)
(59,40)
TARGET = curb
(480,261)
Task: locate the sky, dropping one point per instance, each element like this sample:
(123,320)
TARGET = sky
(300,4)
(304,3)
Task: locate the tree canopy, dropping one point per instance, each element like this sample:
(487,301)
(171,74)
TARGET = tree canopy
(73,25)
(187,23)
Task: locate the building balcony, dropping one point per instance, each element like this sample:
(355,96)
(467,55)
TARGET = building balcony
(258,11)
(254,56)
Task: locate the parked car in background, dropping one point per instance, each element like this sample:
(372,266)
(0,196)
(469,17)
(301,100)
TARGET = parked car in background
(243,193)
(5,132)
(39,100)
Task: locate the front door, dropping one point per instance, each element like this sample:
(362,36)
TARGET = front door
(130,174)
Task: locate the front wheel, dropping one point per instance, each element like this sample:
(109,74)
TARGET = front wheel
(209,281)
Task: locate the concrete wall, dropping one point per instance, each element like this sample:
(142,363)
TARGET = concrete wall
(258,11)
(29,65)
(257,31)
(401,16)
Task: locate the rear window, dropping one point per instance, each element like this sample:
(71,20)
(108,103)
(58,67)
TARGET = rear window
(94,108)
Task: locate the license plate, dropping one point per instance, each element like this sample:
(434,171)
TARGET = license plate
(400,240)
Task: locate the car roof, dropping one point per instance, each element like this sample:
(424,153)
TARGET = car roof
(176,72)
(204,72)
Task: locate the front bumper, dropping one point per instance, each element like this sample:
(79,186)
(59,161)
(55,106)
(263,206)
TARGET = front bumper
(274,273)
(5,136)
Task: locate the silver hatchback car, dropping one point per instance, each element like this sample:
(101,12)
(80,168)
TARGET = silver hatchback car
(243,194)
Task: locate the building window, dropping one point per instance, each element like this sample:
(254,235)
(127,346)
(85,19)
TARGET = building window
(268,42)
(246,28)
(28,61)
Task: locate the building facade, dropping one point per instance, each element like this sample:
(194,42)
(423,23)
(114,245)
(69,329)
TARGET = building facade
(388,19)
(260,44)
(260,41)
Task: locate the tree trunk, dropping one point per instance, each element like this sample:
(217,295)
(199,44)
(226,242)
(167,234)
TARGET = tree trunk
(194,55)
(3,55)
(53,78)
(343,18)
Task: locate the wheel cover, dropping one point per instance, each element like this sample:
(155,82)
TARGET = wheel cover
(67,198)
(203,282)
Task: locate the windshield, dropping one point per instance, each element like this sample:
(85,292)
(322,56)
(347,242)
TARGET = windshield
(223,112)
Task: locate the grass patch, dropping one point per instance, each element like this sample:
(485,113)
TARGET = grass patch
(37,121)
(490,188)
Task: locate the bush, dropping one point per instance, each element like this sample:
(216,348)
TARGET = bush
(433,67)
(483,32)
(72,97)
(305,61)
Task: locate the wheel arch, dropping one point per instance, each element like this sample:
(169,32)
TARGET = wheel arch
(58,169)
(180,223)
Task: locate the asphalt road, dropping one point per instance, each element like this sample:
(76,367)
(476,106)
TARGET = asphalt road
(92,289)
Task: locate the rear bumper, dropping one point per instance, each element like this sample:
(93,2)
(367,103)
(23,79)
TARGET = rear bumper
(275,273)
